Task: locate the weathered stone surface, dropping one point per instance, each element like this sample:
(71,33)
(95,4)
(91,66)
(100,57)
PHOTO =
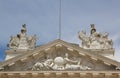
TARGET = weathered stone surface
(60,59)
(52,57)
(96,40)
(61,74)
(22,41)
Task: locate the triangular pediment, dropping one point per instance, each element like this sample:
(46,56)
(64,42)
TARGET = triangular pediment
(60,55)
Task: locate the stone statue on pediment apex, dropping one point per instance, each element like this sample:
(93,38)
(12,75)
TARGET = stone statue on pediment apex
(22,41)
(96,40)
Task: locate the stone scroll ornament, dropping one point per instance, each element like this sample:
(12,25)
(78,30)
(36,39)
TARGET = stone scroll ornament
(96,40)
(22,41)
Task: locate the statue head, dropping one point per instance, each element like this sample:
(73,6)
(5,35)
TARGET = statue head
(98,34)
(92,26)
(93,30)
(23,30)
(18,36)
(24,25)
(105,35)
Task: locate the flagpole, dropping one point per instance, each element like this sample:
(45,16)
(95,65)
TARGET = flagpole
(60,20)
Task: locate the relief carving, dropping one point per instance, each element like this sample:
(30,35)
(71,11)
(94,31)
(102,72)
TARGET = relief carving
(60,63)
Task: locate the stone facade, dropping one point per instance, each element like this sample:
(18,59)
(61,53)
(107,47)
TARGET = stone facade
(60,59)
(77,58)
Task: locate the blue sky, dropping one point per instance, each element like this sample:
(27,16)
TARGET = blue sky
(41,17)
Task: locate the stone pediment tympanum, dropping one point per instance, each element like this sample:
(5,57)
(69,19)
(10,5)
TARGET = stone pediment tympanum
(59,55)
